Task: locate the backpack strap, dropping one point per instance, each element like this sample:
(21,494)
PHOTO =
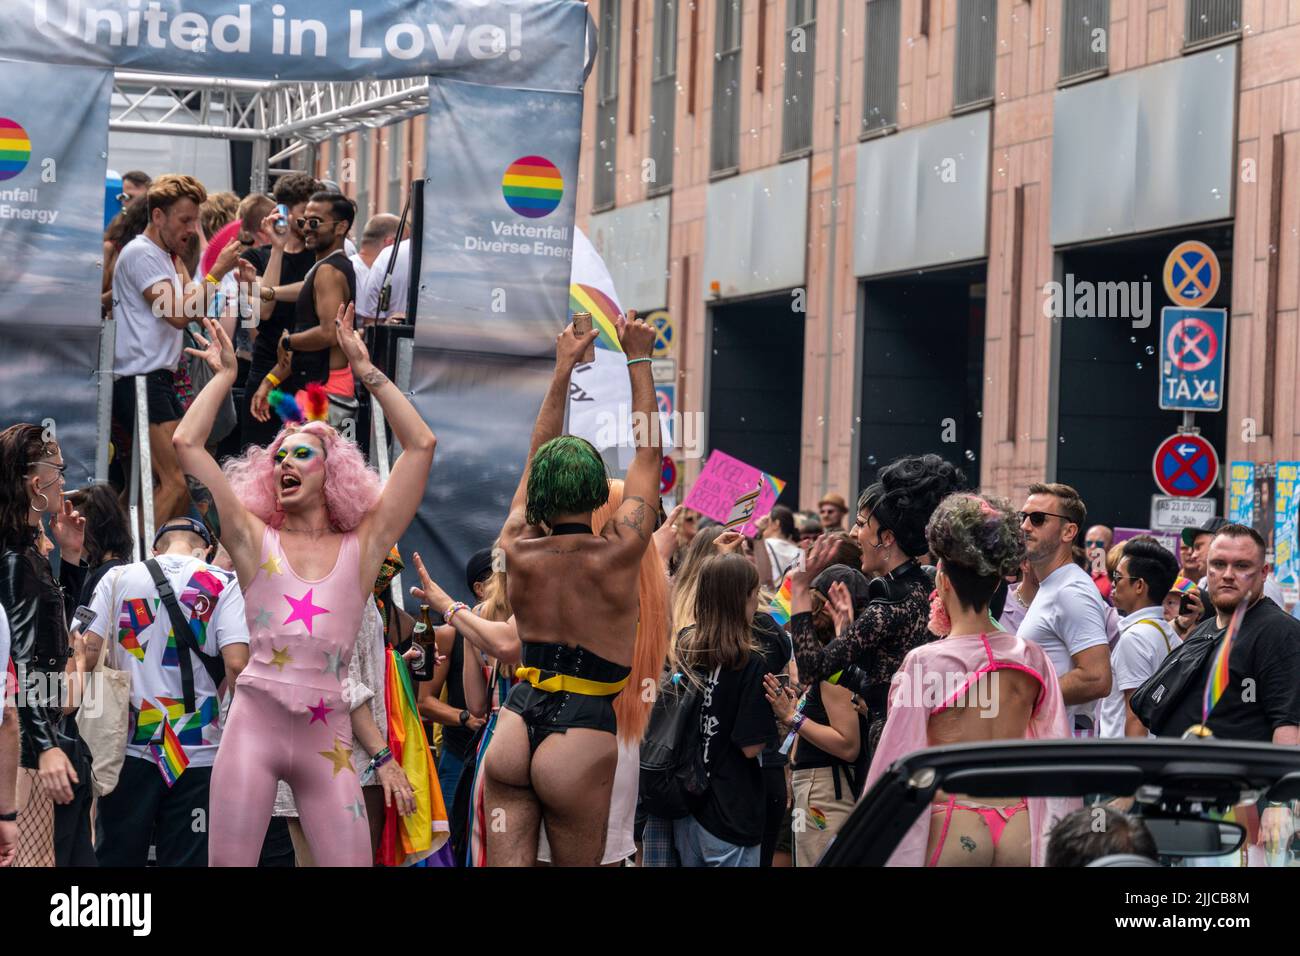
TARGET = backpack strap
(215,666)
(1156,624)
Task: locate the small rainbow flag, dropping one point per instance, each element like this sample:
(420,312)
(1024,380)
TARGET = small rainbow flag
(780,607)
(15,149)
(1182,585)
(604,313)
(169,754)
(532,187)
(1217,682)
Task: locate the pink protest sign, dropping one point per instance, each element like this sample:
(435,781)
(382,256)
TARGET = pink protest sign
(734,493)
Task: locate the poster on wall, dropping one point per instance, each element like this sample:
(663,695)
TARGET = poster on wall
(1285,563)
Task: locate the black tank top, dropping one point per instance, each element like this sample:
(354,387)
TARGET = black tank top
(807,754)
(454,737)
(315,366)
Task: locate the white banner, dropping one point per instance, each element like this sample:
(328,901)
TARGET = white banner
(600,394)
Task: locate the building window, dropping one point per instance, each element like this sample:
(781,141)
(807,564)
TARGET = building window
(396,168)
(1212,19)
(880,99)
(977,37)
(606,105)
(725,140)
(663,95)
(800,32)
(1085,31)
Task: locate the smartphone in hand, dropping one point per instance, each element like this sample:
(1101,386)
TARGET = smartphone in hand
(82,618)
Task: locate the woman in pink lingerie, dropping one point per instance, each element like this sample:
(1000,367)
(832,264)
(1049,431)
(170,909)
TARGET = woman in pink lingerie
(976,684)
(307,526)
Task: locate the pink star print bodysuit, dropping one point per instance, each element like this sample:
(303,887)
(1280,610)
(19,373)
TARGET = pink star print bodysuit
(288,720)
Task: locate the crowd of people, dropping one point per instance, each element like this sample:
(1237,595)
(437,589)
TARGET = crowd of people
(699,698)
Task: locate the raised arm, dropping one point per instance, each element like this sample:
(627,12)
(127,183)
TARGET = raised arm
(404,490)
(569,347)
(634,521)
(498,638)
(240,529)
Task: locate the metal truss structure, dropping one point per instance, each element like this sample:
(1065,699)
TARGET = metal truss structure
(260,111)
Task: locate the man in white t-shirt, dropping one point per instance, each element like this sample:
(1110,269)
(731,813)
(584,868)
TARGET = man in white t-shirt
(8,753)
(1141,580)
(368,297)
(1067,616)
(145,807)
(379,234)
(154,297)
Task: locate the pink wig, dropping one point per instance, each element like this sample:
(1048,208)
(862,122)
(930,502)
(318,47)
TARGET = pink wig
(351,487)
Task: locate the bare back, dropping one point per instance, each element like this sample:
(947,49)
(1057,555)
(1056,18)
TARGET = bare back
(998,706)
(575,590)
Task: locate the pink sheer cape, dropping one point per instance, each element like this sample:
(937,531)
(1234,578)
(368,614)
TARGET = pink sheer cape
(931,677)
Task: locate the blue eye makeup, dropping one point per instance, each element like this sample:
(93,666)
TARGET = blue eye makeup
(299,452)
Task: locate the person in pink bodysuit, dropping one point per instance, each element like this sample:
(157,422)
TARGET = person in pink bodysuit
(976,684)
(307,527)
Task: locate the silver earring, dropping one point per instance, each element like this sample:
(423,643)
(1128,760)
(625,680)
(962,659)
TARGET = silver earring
(45,507)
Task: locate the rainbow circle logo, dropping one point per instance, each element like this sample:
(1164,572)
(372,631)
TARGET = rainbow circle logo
(15,149)
(532,186)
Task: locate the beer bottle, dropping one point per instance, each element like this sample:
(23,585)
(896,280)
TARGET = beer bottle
(423,635)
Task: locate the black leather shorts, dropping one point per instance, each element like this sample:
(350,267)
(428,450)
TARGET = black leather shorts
(548,712)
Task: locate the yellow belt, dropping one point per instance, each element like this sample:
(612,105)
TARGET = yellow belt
(567,682)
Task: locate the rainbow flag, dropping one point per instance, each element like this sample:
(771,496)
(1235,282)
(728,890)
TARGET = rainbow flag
(169,755)
(604,313)
(1217,682)
(780,606)
(408,840)
(1183,585)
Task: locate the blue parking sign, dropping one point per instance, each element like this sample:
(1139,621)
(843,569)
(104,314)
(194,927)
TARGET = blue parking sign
(1193,345)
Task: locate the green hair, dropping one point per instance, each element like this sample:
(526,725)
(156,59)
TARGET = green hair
(567,477)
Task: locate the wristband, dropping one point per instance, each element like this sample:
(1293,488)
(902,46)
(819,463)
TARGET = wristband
(464,717)
(210,278)
(456,608)
(381,758)
(271,377)
(631,362)
(267,293)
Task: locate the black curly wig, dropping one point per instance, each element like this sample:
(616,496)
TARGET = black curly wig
(906,493)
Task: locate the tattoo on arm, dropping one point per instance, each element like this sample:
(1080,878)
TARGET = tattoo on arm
(374,379)
(637,516)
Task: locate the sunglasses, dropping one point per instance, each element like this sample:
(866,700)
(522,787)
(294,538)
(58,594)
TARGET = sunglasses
(314,223)
(61,469)
(123,198)
(1117,577)
(1094,544)
(1037,518)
